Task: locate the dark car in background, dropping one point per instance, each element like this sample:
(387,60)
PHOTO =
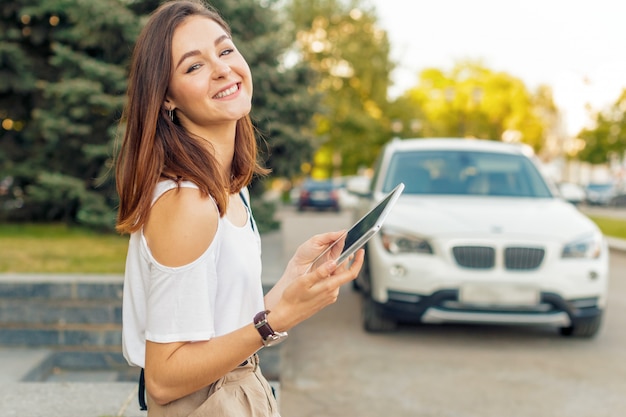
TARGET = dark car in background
(319,194)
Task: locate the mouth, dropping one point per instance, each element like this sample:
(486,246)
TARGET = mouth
(229,91)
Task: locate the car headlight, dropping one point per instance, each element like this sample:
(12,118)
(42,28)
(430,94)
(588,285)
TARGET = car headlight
(398,242)
(588,247)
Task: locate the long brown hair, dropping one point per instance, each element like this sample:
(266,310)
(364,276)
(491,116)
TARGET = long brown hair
(155,146)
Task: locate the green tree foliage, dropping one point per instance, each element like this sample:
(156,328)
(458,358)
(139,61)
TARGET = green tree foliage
(342,42)
(63,72)
(608,136)
(283,103)
(61,93)
(473,101)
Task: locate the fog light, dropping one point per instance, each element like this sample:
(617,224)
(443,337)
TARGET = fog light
(397,271)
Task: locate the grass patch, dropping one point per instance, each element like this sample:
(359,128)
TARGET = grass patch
(611,226)
(57,248)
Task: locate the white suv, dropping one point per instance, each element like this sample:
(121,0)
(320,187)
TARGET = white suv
(479,236)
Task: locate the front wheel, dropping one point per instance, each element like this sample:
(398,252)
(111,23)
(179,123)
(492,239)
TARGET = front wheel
(373,320)
(586,327)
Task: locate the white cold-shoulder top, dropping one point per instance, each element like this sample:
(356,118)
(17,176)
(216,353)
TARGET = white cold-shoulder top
(217,293)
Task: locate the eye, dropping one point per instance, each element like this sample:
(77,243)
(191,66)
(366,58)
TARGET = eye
(193,68)
(227,51)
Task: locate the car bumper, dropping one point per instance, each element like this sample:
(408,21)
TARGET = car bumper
(571,279)
(443,307)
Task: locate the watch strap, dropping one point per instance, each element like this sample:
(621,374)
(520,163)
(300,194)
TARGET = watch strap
(262,326)
(268,335)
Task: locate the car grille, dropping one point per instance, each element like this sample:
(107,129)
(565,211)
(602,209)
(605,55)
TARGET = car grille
(484,257)
(523,258)
(477,257)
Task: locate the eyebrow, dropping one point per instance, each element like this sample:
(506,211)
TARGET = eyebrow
(197,52)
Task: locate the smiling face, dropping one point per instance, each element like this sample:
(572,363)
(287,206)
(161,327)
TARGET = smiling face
(210,84)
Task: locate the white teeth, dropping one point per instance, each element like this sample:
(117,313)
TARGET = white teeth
(231,90)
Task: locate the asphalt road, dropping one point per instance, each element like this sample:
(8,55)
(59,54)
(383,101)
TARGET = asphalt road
(331,367)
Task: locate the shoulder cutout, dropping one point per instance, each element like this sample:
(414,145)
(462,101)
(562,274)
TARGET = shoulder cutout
(180,227)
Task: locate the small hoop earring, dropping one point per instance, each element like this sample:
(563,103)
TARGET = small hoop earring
(170,113)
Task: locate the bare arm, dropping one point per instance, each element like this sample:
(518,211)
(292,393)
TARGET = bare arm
(174,370)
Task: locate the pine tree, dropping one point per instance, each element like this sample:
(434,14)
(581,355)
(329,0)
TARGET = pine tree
(65,65)
(63,74)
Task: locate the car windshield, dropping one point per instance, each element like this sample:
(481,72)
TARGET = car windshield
(319,185)
(460,172)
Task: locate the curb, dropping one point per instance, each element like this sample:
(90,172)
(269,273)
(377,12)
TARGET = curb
(616,243)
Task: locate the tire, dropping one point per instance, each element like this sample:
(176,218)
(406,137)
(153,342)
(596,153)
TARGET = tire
(583,328)
(373,321)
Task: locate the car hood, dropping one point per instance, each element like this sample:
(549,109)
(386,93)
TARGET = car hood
(522,218)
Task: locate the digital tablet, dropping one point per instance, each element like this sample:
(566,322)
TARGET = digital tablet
(362,231)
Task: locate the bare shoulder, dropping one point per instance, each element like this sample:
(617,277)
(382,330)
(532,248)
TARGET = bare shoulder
(181,226)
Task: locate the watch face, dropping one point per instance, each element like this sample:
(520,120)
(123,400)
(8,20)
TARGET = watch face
(275,339)
(268,335)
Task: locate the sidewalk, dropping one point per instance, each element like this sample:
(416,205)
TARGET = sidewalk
(94,399)
(616,244)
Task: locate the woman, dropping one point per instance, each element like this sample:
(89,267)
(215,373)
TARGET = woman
(194,314)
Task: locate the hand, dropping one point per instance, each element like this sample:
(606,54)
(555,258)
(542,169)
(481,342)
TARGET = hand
(301,262)
(311,249)
(309,293)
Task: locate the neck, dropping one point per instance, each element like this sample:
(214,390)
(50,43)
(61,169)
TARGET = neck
(220,139)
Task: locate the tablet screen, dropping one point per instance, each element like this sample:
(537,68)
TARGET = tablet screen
(362,230)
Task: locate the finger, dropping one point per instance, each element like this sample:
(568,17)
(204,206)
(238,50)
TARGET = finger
(342,275)
(349,263)
(338,246)
(321,272)
(325,239)
(328,268)
(357,261)
(351,269)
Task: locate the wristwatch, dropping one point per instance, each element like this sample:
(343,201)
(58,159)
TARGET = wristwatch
(269,336)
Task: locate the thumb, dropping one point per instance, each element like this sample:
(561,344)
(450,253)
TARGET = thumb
(326,269)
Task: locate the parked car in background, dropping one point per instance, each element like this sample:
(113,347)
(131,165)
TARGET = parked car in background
(572,192)
(600,194)
(318,194)
(479,236)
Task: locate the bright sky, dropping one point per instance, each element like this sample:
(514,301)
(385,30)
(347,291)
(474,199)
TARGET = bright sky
(578,47)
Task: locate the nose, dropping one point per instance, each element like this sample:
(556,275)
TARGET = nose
(221,70)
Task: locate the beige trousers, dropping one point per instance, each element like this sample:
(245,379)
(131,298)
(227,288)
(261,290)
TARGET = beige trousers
(243,392)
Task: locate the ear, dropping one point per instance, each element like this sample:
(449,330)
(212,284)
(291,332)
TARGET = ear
(169,104)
